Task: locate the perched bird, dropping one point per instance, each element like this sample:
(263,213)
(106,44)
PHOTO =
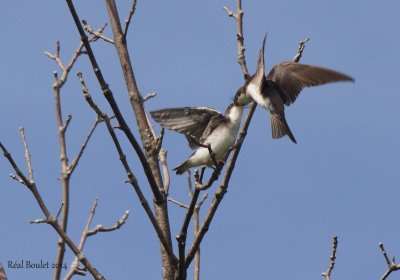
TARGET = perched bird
(206,126)
(281,87)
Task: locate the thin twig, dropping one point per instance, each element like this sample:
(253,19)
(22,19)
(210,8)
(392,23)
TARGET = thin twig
(189,180)
(59,210)
(205,196)
(332,259)
(118,225)
(180,204)
(110,98)
(128,20)
(197,255)
(75,162)
(163,161)
(27,155)
(181,238)
(151,164)
(238,16)
(56,57)
(74,268)
(16,178)
(38,221)
(149,96)
(100,35)
(131,177)
(76,54)
(20,176)
(392,266)
(64,174)
(222,189)
(300,50)
(196,226)
(51,220)
(66,170)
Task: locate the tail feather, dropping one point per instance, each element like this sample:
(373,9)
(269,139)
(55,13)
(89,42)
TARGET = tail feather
(180,169)
(280,127)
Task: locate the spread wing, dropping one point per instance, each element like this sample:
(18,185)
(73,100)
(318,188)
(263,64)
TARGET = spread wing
(192,120)
(292,77)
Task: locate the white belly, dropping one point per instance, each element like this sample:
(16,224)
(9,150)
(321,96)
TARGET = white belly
(220,146)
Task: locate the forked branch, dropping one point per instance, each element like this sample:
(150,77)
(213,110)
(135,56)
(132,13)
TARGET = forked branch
(49,219)
(131,177)
(74,268)
(391,264)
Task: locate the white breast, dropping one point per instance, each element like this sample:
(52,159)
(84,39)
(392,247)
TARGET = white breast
(255,93)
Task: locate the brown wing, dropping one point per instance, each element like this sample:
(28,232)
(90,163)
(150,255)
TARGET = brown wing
(193,120)
(292,77)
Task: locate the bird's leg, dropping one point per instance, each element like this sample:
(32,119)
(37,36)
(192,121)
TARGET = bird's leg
(208,146)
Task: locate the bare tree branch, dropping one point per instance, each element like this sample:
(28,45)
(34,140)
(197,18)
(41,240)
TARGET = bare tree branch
(181,238)
(300,50)
(138,107)
(392,266)
(149,96)
(163,161)
(222,189)
(332,259)
(180,204)
(110,98)
(27,154)
(51,220)
(74,268)
(59,210)
(76,54)
(65,176)
(220,192)
(118,225)
(97,34)
(131,177)
(75,162)
(238,16)
(56,57)
(128,20)
(66,169)
(189,180)
(196,230)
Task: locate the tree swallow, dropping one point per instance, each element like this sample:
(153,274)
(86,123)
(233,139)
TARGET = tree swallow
(281,87)
(207,126)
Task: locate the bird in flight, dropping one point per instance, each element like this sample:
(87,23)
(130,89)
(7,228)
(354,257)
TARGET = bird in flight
(281,87)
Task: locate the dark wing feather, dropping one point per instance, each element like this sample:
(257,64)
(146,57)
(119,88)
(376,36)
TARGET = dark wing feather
(292,77)
(193,120)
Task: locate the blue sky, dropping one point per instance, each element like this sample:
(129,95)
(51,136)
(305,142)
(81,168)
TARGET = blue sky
(285,201)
